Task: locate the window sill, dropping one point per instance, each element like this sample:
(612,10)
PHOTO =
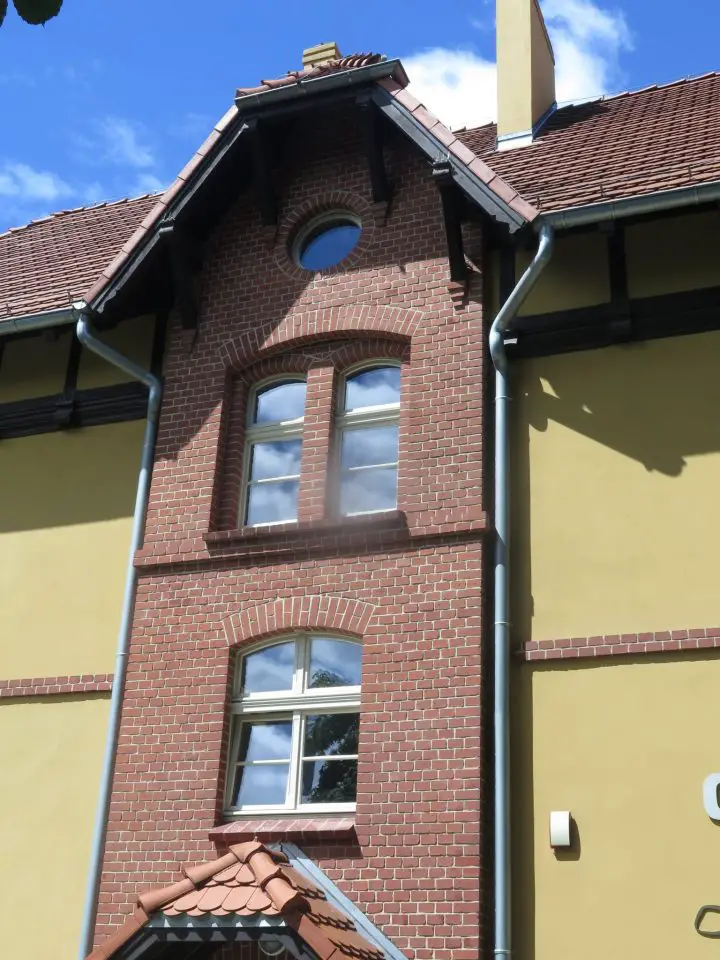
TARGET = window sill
(306,829)
(285,537)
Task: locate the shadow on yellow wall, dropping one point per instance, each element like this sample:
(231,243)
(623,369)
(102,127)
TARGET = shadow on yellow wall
(616,470)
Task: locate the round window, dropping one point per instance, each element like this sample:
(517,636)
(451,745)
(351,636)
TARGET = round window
(326,240)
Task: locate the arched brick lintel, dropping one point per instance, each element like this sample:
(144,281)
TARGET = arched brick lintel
(314,612)
(358,320)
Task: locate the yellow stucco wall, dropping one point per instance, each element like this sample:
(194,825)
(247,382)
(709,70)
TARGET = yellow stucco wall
(64,541)
(625,746)
(33,367)
(577,275)
(667,256)
(50,757)
(616,467)
(132,338)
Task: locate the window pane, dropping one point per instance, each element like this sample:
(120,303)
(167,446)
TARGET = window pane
(373,388)
(280,402)
(334,663)
(368,490)
(329,781)
(271,668)
(330,734)
(275,458)
(265,740)
(329,246)
(261,785)
(272,502)
(370,445)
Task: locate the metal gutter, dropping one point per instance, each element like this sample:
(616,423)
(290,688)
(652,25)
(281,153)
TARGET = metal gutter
(632,206)
(501,724)
(86,336)
(37,321)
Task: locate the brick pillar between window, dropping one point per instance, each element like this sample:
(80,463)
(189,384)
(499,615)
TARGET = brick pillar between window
(317,443)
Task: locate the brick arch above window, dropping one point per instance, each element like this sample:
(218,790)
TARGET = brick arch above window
(315,612)
(381,321)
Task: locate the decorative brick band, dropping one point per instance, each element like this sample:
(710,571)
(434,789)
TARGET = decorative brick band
(330,828)
(51,686)
(614,645)
(358,320)
(319,612)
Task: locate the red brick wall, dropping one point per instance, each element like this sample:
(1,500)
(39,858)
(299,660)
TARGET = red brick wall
(206,590)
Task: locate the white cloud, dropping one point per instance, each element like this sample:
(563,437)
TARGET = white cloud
(122,143)
(24,183)
(588,39)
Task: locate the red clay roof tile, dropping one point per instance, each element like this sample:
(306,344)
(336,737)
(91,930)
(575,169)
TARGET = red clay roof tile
(351,62)
(51,262)
(250,880)
(635,143)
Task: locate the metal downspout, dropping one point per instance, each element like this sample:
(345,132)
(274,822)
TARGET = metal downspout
(86,336)
(501,724)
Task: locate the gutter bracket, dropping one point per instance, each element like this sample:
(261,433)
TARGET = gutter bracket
(443,177)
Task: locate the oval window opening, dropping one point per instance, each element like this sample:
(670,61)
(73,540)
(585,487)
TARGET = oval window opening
(327,241)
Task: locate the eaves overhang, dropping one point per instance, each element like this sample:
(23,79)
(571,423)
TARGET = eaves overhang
(471,175)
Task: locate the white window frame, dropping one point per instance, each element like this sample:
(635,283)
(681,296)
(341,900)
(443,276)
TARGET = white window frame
(258,433)
(295,704)
(382,414)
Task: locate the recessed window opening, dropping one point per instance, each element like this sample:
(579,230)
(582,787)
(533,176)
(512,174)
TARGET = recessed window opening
(296,720)
(272,452)
(326,240)
(368,424)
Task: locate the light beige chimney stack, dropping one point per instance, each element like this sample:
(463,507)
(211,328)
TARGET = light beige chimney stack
(320,54)
(525,72)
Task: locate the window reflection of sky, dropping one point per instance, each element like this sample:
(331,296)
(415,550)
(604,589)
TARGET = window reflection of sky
(334,660)
(368,490)
(372,388)
(330,246)
(264,785)
(276,458)
(280,402)
(369,446)
(270,740)
(269,669)
(272,502)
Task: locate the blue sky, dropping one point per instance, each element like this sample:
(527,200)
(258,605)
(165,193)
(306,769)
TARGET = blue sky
(111,97)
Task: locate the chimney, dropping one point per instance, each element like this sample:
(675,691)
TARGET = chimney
(525,72)
(321,54)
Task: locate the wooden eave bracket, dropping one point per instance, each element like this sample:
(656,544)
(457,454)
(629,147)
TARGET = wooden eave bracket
(266,197)
(373,142)
(442,175)
(185,261)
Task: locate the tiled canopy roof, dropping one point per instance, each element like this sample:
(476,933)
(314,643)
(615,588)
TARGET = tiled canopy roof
(51,262)
(250,881)
(655,139)
(308,73)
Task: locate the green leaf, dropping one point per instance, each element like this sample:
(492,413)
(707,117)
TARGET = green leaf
(3,10)
(37,11)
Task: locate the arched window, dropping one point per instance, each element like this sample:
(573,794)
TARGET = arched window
(368,439)
(294,742)
(273,452)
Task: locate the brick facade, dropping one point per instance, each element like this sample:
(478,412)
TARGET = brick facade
(407,583)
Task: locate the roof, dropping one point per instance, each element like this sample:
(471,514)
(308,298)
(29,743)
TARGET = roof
(249,881)
(352,62)
(51,262)
(637,143)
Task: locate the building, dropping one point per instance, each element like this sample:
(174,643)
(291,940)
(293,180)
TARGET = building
(317,290)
